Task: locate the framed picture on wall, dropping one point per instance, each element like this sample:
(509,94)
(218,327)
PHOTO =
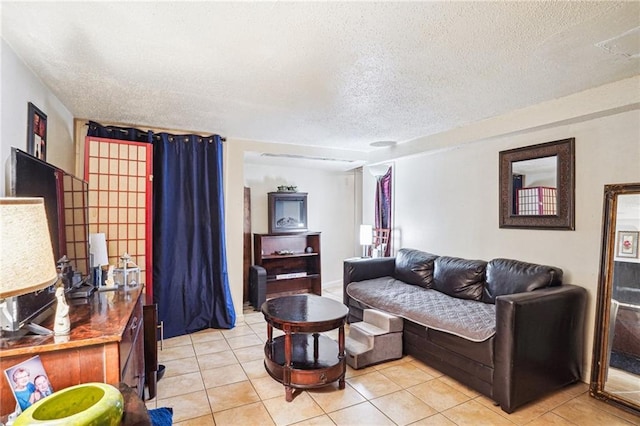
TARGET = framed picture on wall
(627,244)
(37,132)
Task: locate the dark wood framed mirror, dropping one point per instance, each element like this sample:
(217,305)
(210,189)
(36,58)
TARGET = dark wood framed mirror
(537,186)
(615,371)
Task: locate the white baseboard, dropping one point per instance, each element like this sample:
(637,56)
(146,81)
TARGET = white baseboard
(329,284)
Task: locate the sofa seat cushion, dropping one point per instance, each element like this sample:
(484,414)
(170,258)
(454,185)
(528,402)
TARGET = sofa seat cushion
(472,320)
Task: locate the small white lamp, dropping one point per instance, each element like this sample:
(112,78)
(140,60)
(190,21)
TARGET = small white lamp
(98,251)
(366,238)
(27,264)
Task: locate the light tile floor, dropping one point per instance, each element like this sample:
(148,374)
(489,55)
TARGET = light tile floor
(217,377)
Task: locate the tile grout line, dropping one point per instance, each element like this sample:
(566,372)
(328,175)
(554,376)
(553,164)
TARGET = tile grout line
(260,400)
(203,383)
(252,331)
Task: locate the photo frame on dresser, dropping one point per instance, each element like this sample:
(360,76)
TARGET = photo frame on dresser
(29,382)
(37,132)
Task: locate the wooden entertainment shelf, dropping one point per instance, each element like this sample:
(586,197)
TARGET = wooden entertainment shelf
(285,264)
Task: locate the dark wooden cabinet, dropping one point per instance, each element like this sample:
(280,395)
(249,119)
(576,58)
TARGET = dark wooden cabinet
(285,264)
(150,314)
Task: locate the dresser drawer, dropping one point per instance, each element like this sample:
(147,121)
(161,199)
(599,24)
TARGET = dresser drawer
(133,373)
(130,335)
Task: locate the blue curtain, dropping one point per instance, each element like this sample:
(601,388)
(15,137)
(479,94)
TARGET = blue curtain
(190,279)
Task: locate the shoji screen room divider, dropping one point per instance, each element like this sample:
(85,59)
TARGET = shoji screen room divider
(120,200)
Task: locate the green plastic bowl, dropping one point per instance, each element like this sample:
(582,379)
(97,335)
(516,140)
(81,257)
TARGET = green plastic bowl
(85,404)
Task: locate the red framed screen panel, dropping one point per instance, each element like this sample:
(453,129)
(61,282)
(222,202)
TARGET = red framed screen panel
(120,200)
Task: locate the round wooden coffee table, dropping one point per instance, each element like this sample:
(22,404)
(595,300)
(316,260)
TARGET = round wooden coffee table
(303,358)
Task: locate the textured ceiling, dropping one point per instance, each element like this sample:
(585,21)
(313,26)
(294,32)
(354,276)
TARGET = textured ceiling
(328,74)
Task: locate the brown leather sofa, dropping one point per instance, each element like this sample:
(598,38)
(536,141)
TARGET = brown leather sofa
(523,339)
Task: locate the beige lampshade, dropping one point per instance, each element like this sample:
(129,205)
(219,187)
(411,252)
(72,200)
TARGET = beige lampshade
(27,262)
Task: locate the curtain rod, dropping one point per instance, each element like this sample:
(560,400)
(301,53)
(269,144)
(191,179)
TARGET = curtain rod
(222,138)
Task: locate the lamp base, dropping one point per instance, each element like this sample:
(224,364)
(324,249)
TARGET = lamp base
(38,329)
(30,326)
(16,311)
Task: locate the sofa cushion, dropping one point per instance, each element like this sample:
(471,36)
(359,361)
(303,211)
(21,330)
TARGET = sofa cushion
(507,276)
(414,267)
(460,278)
(471,320)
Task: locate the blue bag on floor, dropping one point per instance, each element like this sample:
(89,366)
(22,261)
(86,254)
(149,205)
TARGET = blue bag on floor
(161,416)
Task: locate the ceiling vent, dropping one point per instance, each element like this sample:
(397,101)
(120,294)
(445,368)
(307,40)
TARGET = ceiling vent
(626,44)
(383,144)
(305,157)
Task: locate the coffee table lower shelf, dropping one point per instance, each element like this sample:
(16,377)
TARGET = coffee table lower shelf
(315,361)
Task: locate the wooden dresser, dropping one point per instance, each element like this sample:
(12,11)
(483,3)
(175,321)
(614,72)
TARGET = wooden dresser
(106,344)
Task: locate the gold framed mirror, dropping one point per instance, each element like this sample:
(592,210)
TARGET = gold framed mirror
(615,372)
(537,186)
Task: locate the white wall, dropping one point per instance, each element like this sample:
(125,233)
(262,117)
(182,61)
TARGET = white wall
(328,194)
(446,201)
(330,208)
(20,86)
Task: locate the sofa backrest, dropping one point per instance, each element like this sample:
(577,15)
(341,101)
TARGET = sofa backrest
(472,279)
(461,278)
(414,267)
(507,276)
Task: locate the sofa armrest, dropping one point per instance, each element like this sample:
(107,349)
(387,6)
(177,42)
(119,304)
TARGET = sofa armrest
(539,343)
(360,269)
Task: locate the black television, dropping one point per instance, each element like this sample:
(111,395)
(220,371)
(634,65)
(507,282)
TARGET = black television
(66,205)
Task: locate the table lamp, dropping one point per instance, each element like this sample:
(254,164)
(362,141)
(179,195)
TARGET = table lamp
(99,256)
(27,262)
(366,238)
